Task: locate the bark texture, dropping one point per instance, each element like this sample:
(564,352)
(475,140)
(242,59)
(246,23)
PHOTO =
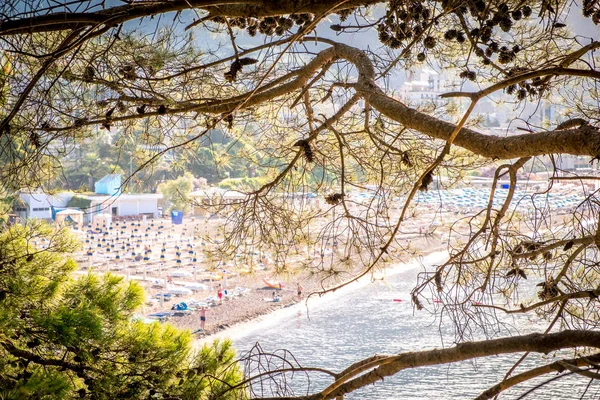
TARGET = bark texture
(117,15)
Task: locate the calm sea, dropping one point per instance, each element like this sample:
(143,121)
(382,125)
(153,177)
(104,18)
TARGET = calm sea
(345,327)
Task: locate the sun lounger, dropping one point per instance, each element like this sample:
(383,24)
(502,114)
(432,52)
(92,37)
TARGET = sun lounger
(180,274)
(161,316)
(195,286)
(179,291)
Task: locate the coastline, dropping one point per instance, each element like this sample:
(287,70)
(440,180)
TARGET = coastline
(258,320)
(181,266)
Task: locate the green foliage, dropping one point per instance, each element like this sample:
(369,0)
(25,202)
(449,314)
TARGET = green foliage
(89,163)
(242,183)
(79,202)
(63,337)
(213,360)
(177,192)
(6,204)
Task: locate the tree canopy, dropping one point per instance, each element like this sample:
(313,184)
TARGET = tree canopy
(64,337)
(177,192)
(312,92)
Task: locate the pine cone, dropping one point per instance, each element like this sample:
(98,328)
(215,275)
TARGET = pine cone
(427,180)
(308,152)
(334,199)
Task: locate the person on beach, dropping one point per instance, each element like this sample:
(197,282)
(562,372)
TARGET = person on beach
(299,291)
(202,317)
(220,293)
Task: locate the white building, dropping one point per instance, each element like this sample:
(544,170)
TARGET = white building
(207,201)
(423,87)
(121,205)
(39,205)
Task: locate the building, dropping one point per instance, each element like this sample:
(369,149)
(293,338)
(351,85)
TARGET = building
(110,184)
(423,88)
(107,199)
(208,201)
(122,205)
(38,204)
(567,162)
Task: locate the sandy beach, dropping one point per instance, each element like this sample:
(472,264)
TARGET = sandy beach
(168,260)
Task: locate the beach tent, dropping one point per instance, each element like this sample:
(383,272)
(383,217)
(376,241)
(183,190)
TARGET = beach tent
(54,210)
(69,217)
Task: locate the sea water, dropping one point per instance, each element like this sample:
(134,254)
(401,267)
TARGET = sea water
(340,329)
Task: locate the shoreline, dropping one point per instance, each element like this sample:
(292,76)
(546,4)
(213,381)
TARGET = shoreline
(256,321)
(178,266)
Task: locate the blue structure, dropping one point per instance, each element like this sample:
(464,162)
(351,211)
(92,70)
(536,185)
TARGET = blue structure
(177,217)
(110,184)
(55,210)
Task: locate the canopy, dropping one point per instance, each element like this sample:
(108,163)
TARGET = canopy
(70,217)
